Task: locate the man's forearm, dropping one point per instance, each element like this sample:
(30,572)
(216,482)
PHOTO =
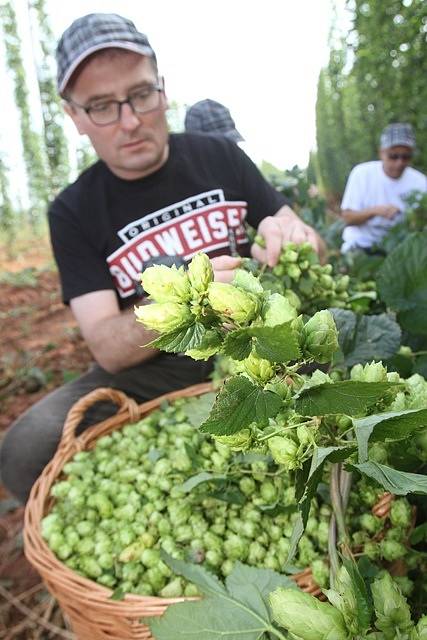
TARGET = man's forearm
(350,216)
(117,342)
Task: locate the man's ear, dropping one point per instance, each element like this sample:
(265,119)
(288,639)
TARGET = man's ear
(71,111)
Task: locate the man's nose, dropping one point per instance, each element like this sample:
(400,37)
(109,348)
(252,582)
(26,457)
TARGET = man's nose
(128,118)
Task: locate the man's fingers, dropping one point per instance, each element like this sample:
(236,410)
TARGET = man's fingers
(225,268)
(225,275)
(222,263)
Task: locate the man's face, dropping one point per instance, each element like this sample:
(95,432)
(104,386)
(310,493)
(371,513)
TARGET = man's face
(137,144)
(395,160)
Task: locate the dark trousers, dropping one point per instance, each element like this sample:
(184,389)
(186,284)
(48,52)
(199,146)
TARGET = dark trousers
(32,439)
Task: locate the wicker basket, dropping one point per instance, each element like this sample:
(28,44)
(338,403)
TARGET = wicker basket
(91,612)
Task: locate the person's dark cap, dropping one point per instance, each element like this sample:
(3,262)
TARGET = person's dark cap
(208,116)
(94,32)
(398,134)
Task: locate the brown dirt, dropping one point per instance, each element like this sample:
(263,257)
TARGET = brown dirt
(40,349)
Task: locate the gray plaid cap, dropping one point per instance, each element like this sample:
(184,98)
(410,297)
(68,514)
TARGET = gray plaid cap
(396,135)
(91,33)
(209,116)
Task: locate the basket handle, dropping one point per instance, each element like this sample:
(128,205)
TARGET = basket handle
(78,410)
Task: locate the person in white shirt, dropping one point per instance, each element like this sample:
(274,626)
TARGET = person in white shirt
(373,200)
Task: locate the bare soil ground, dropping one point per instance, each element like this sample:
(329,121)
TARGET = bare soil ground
(40,349)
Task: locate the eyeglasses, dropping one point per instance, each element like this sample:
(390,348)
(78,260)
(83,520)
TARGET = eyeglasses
(107,112)
(400,156)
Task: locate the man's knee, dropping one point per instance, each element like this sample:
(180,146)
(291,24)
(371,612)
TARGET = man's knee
(25,451)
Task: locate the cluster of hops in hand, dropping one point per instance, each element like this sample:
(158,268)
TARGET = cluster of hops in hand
(241,310)
(300,276)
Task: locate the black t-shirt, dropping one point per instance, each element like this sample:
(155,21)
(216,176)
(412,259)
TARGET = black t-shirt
(104,228)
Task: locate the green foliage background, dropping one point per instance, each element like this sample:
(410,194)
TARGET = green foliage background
(376,75)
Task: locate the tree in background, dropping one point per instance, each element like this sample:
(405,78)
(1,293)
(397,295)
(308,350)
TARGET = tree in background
(34,158)
(85,155)
(374,77)
(7,214)
(53,117)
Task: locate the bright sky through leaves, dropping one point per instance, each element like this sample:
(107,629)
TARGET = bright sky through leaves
(260,59)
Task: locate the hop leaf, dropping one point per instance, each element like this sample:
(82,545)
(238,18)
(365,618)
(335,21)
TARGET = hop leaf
(163,316)
(231,302)
(321,336)
(200,274)
(166,284)
(307,617)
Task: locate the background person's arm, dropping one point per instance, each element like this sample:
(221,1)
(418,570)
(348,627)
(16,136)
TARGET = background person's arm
(353,217)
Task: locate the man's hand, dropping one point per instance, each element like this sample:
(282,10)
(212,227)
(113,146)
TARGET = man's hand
(386,210)
(285,226)
(225,268)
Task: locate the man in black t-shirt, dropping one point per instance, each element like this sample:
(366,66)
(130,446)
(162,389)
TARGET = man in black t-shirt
(149,195)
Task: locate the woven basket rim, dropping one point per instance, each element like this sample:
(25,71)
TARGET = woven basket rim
(37,552)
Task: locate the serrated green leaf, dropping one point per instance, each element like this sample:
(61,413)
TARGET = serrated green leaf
(118,594)
(276,344)
(389,426)
(398,482)
(237,344)
(314,476)
(181,340)
(419,534)
(200,478)
(320,456)
(239,404)
(246,584)
(239,613)
(402,282)
(213,619)
(208,583)
(348,397)
(198,409)
(364,608)
(366,338)
(297,533)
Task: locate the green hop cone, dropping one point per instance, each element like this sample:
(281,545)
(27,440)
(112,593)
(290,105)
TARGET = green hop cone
(166,284)
(293,298)
(391,608)
(401,513)
(200,274)
(422,628)
(232,303)
(237,441)
(372,372)
(278,310)
(343,598)
(321,336)
(163,316)
(285,452)
(258,368)
(307,617)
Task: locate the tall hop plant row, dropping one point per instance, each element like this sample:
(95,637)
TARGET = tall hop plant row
(314,427)
(34,156)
